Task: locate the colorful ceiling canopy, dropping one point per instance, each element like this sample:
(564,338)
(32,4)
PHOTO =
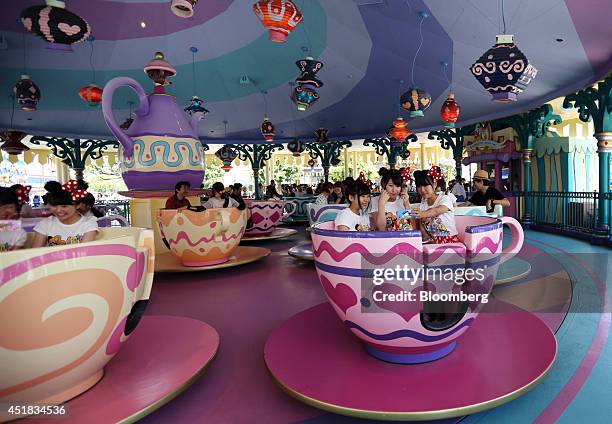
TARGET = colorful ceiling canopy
(367,47)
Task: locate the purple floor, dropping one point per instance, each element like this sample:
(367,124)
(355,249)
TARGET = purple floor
(245,304)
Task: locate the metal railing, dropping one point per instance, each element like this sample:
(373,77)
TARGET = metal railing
(572,212)
(115,207)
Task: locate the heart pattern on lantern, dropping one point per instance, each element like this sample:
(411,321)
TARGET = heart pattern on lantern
(69,29)
(27,23)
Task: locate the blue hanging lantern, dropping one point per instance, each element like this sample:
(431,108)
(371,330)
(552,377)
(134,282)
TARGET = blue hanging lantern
(416,101)
(304,97)
(296,147)
(27,93)
(503,70)
(196,105)
(227,156)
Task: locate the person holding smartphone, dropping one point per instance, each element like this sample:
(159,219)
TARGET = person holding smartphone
(391,200)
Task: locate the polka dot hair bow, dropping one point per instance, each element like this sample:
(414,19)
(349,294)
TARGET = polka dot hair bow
(406,176)
(23,194)
(77,194)
(435,173)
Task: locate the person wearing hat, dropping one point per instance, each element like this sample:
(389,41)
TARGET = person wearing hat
(486,195)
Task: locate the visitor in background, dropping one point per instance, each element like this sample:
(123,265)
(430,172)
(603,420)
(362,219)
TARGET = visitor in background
(356,216)
(36,201)
(179,199)
(51,186)
(272,194)
(236,194)
(337,196)
(23,197)
(66,225)
(485,194)
(85,205)
(325,191)
(391,200)
(435,213)
(458,190)
(12,236)
(220,198)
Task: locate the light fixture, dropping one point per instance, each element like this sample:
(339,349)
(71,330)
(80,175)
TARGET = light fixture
(27,93)
(12,138)
(143,24)
(304,94)
(183,8)
(399,131)
(56,25)
(227,156)
(279,17)
(416,100)
(450,110)
(296,147)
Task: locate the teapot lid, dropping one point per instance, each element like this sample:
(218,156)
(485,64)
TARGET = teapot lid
(158,63)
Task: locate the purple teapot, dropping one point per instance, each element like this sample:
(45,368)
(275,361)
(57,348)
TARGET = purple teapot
(161,146)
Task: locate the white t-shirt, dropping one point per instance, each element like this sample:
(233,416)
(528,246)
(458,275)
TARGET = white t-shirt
(214,203)
(321,199)
(390,207)
(459,190)
(60,234)
(443,224)
(12,239)
(353,221)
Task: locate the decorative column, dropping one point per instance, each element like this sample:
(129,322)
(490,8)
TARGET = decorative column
(354,164)
(327,152)
(423,155)
(528,126)
(75,152)
(346,165)
(596,103)
(391,148)
(257,155)
(452,139)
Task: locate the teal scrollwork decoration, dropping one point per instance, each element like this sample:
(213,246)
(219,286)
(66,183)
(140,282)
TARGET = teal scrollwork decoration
(256,155)
(384,146)
(532,124)
(74,152)
(328,152)
(452,139)
(594,103)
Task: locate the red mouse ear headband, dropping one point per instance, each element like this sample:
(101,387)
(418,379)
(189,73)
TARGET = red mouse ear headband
(406,176)
(23,194)
(77,194)
(435,173)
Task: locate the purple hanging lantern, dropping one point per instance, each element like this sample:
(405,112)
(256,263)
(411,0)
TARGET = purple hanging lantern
(27,93)
(227,156)
(56,25)
(416,101)
(296,147)
(12,142)
(503,70)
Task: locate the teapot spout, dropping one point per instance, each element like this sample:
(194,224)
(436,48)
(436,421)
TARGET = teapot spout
(195,118)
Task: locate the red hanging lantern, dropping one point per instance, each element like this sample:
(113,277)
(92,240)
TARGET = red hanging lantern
(12,142)
(450,111)
(279,17)
(267,130)
(399,131)
(92,94)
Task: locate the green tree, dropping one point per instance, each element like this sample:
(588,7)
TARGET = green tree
(336,173)
(286,174)
(105,178)
(213,173)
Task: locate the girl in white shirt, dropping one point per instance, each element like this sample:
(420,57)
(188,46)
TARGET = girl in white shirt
(435,213)
(67,225)
(12,236)
(220,199)
(391,200)
(355,218)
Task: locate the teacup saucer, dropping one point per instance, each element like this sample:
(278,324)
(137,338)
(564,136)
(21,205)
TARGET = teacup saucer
(276,234)
(168,262)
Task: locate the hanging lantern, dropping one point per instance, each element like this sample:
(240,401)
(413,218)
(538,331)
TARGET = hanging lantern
(227,156)
(27,93)
(267,130)
(196,105)
(309,68)
(450,111)
(183,8)
(304,97)
(503,70)
(311,163)
(335,162)
(399,131)
(322,135)
(56,25)
(92,94)
(296,147)
(416,101)
(12,142)
(126,124)
(159,71)
(279,17)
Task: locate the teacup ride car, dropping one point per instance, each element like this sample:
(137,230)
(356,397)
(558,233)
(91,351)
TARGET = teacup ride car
(300,215)
(511,270)
(263,216)
(204,240)
(66,311)
(407,302)
(316,214)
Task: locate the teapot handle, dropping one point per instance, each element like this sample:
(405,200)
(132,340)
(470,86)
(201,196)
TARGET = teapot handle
(107,109)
